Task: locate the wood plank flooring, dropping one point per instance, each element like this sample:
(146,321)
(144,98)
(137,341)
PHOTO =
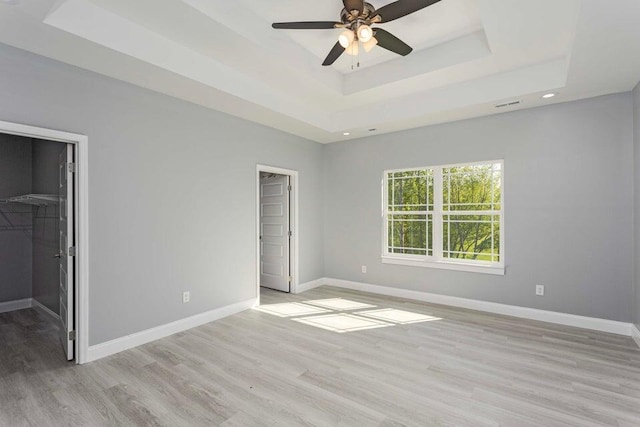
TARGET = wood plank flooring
(257,368)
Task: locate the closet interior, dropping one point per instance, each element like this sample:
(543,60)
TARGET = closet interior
(30,244)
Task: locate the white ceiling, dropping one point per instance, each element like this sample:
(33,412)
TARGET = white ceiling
(469,55)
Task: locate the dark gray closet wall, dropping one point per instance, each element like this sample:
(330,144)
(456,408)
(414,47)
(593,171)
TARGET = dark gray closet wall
(15,220)
(46,224)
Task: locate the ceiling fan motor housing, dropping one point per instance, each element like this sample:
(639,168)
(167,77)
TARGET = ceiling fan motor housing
(348,18)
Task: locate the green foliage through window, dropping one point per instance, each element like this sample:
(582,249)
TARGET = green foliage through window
(463,204)
(410,198)
(476,190)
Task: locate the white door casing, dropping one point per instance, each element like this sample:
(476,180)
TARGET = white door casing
(81,216)
(67,251)
(275,232)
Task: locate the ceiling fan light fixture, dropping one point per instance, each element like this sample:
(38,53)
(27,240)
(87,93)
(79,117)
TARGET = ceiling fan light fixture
(365,33)
(370,44)
(346,38)
(356,18)
(353,48)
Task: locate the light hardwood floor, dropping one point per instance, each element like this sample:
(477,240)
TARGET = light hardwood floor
(257,368)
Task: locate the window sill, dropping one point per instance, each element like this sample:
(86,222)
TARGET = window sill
(445,265)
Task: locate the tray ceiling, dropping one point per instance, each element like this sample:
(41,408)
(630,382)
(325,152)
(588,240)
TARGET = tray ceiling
(469,55)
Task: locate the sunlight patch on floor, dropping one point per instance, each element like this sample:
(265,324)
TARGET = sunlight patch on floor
(397,316)
(339,304)
(342,315)
(341,323)
(289,309)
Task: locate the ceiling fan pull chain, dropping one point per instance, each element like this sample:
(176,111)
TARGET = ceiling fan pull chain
(352,59)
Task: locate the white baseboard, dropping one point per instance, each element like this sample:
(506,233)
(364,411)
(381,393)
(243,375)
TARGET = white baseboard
(139,338)
(635,334)
(310,285)
(38,306)
(593,323)
(20,304)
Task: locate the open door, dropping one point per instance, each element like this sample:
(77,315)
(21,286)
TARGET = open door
(67,251)
(275,232)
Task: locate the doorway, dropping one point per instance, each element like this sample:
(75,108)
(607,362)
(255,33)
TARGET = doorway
(39,232)
(277,219)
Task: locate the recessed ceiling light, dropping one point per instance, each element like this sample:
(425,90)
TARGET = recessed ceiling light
(549,95)
(346,134)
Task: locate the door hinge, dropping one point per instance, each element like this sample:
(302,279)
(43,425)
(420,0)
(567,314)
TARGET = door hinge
(73,251)
(72,167)
(72,335)
(289,187)
(289,233)
(290,279)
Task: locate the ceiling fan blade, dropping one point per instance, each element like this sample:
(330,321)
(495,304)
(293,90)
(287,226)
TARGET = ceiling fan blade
(353,5)
(401,8)
(334,54)
(310,25)
(391,42)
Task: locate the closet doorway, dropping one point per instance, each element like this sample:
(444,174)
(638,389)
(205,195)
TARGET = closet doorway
(277,221)
(39,243)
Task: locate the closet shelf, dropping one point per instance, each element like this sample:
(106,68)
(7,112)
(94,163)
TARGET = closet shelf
(34,199)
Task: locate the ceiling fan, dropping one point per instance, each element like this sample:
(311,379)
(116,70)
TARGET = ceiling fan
(356,18)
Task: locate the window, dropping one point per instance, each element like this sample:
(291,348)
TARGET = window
(445,217)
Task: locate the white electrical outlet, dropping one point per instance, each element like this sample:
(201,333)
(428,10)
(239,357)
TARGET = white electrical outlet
(364,268)
(186,297)
(540,290)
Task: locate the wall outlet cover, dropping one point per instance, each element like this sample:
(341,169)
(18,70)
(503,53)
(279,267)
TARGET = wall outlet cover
(186,297)
(364,268)
(540,290)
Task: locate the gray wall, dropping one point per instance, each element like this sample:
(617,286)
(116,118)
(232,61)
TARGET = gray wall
(15,242)
(568,205)
(46,224)
(172,198)
(172,192)
(636,156)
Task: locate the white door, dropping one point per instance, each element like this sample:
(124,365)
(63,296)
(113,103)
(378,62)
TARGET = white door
(67,251)
(275,233)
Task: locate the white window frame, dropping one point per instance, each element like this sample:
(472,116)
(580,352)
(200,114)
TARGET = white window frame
(437,260)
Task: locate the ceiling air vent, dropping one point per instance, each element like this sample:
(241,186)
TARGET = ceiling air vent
(508,104)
